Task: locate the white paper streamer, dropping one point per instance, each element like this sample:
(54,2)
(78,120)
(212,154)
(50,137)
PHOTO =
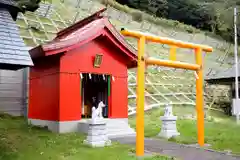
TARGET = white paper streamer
(90,76)
(81,76)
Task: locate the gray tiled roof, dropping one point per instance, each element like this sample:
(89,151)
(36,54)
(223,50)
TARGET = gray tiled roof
(9,2)
(13,51)
(229,73)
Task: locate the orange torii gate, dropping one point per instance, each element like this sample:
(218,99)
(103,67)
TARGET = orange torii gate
(142,61)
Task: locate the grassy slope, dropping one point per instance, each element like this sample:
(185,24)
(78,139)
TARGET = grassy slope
(165,28)
(18,141)
(221,131)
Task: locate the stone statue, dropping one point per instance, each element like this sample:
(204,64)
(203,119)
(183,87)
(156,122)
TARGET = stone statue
(97,113)
(168,111)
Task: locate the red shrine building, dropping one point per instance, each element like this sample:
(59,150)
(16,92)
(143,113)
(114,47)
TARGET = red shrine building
(86,63)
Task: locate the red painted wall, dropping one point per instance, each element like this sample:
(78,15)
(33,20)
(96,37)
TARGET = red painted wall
(70,101)
(119,98)
(44,89)
(81,60)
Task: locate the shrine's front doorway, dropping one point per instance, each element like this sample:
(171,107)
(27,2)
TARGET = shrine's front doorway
(94,89)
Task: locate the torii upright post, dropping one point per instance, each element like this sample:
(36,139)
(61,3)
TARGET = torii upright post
(199,97)
(140,97)
(142,61)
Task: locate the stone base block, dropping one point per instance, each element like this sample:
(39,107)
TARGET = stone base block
(168,134)
(97,143)
(117,127)
(169,128)
(55,126)
(97,135)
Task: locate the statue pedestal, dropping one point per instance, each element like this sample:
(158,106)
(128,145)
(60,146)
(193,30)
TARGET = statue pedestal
(97,135)
(169,128)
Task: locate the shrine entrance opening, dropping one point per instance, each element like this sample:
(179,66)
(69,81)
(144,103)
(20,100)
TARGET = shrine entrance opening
(94,88)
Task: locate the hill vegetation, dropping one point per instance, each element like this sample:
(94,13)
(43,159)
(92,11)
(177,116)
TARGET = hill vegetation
(212,15)
(162,85)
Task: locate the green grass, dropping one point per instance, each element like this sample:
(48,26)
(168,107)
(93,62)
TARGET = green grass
(21,23)
(30,16)
(18,141)
(45,20)
(221,131)
(29,42)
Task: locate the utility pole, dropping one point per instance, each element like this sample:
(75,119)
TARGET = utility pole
(236,65)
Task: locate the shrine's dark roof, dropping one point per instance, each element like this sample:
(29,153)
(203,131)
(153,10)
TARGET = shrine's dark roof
(226,76)
(11,6)
(9,2)
(13,52)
